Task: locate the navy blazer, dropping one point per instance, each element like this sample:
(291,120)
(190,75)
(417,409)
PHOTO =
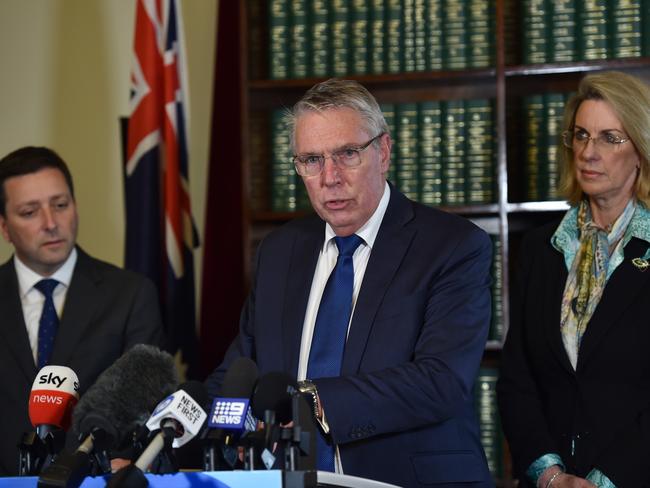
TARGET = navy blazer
(107,311)
(402,410)
(603,407)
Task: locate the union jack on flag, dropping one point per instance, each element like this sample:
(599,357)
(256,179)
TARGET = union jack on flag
(160,233)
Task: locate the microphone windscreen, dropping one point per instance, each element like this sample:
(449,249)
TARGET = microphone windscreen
(240,379)
(53,396)
(273,392)
(126,392)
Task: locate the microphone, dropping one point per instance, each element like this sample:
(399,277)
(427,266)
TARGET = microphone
(230,415)
(113,407)
(277,398)
(179,418)
(53,396)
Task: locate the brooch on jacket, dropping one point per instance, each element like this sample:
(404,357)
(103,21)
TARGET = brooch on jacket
(643,262)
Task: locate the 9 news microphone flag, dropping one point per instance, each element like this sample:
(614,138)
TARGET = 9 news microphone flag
(160,232)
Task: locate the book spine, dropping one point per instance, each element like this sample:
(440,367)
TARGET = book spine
(378,37)
(407,150)
(320,38)
(481,33)
(534,113)
(420,35)
(549,173)
(563,44)
(394,41)
(279,39)
(408,35)
(496,324)
(340,35)
(626,28)
(300,50)
(485,396)
(536,32)
(645,27)
(434,35)
(360,32)
(455,15)
(430,152)
(592,29)
(453,153)
(283,174)
(479,152)
(388,109)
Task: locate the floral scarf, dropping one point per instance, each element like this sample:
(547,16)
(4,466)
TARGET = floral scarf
(588,274)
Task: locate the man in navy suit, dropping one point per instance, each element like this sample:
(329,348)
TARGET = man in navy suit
(400,407)
(102,310)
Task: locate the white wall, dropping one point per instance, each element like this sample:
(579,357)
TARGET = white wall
(64,83)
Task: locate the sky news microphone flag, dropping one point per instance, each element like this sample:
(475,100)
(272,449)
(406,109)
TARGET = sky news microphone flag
(160,232)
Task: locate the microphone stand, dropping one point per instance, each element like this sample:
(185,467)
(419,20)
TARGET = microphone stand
(37,449)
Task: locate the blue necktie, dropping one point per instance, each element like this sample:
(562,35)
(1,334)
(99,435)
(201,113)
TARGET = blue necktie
(331,329)
(49,322)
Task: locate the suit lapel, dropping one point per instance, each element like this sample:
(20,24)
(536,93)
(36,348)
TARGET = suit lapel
(77,313)
(304,256)
(622,288)
(13,330)
(556,280)
(388,251)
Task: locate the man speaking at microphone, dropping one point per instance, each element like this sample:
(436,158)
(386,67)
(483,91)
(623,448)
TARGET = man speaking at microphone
(380,306)
(58,305)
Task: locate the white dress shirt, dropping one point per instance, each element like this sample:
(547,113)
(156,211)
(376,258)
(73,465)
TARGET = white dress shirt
(33,300)
(326,262)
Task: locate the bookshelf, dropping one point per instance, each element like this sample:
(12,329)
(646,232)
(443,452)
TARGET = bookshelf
(506,81)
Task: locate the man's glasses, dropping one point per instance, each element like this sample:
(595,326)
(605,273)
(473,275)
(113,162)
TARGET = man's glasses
(347,157)
(578,139)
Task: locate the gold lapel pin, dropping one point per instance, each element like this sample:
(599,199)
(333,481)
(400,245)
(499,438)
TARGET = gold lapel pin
(641,264)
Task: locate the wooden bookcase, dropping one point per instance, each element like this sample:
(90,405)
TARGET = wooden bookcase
(506,82)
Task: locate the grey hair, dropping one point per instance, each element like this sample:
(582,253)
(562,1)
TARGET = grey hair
(336,93)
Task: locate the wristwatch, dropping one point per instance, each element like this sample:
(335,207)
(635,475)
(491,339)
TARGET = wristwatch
(307,388)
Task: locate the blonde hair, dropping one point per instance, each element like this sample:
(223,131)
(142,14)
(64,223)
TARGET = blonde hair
(629,97)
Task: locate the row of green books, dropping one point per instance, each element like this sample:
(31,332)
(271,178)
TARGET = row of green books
(543,114)
(319,38)
(443,154)
(573,30)
(485,402)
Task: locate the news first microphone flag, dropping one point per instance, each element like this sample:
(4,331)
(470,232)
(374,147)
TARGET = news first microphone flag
(160,232)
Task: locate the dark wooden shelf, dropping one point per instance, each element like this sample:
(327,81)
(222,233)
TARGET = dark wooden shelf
(387,88)
(577,67)
(549,206)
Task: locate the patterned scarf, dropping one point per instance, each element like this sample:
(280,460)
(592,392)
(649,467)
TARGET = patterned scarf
(587,276)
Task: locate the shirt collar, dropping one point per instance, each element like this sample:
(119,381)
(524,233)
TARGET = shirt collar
(27,277)
(368,231)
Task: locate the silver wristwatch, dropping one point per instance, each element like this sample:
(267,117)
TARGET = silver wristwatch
(308,389)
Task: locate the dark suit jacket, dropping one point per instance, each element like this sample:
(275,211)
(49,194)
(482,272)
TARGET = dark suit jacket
(107,311)
(402,409)
(606,401)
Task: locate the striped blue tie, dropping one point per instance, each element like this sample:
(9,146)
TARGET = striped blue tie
(331,329)
(49,322)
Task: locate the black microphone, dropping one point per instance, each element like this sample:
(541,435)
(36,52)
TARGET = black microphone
(178,418)
(276,397)
(230,415)
(117,404)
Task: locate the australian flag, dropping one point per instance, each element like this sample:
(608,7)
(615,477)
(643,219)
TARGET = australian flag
(160,233)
